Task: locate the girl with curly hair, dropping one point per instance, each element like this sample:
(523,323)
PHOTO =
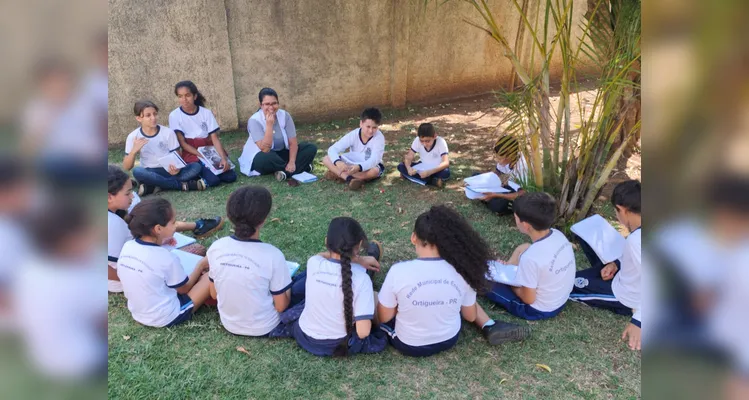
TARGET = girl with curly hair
(423,300)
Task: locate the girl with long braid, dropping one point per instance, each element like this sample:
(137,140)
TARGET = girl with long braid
(339,304)
(421,301)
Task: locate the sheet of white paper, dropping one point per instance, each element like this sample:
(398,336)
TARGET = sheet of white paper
(353,158)
(293,267)
(606,241)
(415,180)
(472,194)
(304,177)
(513,185)
(188,260)
(172,158)
(136,200)
(502,273)
(487,180)
(424,166)
(182,241)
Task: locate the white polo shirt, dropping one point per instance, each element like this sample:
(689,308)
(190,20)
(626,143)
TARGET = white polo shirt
(159,145)
(247,273)
(429,294)
(626,283)
(549,267)
(197,125)
(322,317)
(372,150)
(433,155)
(117,235)
(150,274)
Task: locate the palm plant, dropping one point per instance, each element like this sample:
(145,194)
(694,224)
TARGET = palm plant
(572,165)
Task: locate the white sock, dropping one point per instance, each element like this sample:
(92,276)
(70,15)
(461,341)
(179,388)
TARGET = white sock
(488,323)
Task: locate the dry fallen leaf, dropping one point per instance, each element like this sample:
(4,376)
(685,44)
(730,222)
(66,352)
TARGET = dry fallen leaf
(243,350)
(400,210)
(126,337)
(376,232)
(275,220)
(502,381)
(544,366)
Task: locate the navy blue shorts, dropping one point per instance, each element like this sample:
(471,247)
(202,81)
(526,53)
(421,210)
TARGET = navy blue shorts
(416,351)
(504,296)
(374,343)
(185,310)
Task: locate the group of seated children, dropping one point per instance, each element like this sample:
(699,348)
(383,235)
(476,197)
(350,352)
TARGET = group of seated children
(331,308)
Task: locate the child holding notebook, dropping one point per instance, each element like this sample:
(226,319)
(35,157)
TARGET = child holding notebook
(511,167)
(546,267)
(616,286)
(364,161)
(249,278)
(159,292)
(433,167)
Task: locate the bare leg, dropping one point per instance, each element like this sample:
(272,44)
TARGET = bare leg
(367,175)
(112,274)
(375,319)
(182,226)
(481,316)
(200,292)
(331,167)
(515,258)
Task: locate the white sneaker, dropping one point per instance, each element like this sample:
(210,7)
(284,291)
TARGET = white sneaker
(280,176)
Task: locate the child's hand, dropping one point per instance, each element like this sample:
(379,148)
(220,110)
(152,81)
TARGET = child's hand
(169,242)
(139,143)
(369,263)
(173,170)
(224,164)
(202,266)
(352,169)
(424,174)
(291,167)
(607,272)
(632,334)
(270,118)
(486,197)
(411,171)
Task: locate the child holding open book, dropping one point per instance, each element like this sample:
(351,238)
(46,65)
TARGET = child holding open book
(196,127)
(511,168)
(161,167)
(433,167)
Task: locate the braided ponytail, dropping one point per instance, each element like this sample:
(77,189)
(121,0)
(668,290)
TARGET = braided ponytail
(344,235)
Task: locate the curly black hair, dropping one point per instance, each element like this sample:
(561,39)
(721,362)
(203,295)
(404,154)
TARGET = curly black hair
(457,242)
(344,235)
(247,208)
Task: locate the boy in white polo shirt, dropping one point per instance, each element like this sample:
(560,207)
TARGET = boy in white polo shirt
(367,144)
(249,278)
(616,286)
(433,154)
(546,268)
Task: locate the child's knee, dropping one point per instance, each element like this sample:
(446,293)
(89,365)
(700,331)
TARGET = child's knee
(326,160)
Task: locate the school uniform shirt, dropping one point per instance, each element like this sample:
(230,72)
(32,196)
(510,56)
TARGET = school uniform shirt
(150,275)
(247,274)
(626,283)
(372,150)
(160,144)
(256,127)
(429,294)
(117,235)
(431,156)
(518,173)
(323,317)
(548,266)
(196,128)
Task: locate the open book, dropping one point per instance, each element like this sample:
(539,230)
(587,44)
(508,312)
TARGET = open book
(172,158)
(212,160)
(486,183)
(182,241)
(601,237)
(502,273)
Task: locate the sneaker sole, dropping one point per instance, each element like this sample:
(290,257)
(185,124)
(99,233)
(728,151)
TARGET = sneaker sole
(515,335)
(280,177)
(210,232)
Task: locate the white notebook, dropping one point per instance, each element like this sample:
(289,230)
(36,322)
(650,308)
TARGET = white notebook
(473,195)
(424,166)
(304,177)
(182,241)
(606,241)
(172,158)
(189,261)
(502,273)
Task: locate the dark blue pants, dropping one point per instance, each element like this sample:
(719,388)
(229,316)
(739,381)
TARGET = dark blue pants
(503,295)
(159,177)
(416,351)
(591,289)
(374,343)
(444,174)
(212,180)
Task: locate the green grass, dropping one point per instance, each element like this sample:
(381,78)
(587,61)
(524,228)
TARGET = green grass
(199,359)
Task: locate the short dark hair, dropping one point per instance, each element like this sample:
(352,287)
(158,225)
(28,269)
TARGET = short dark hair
(373,114)
(426,130)
(141,105)
(539,209)
(266,92)
(147,214)
(247,208)
(116,179)
(729,191)
(627,195)
(58,220)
